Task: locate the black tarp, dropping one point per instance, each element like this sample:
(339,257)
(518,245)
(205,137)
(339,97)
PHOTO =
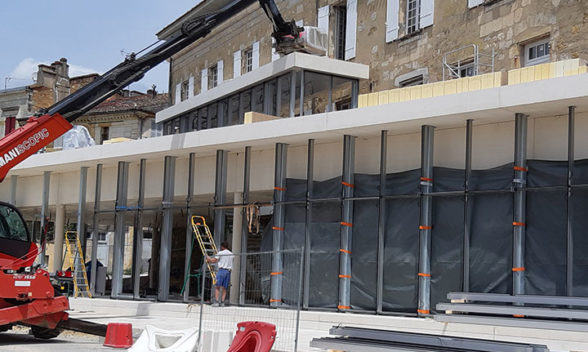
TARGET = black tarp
(490,215)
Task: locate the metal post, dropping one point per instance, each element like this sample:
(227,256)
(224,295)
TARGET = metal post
(381,222)
(93,265)
(354,93)
(81,218)
(166,228)
(120,209)
(425,227)
(13,181)
(519,216)
(308,220)
(44,208)
(278,228)
(467,227)
(138,233)
(570,213)
(189,233)
(330,96)
(220,195)
(244,227)
(346,223)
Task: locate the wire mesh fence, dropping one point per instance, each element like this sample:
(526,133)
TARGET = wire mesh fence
(254,300)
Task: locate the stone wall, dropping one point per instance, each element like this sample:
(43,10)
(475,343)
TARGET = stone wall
(503,25)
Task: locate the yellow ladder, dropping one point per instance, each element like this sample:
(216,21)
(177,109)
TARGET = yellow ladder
(77,264)
(206,242)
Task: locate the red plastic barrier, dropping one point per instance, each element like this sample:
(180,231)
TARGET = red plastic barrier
(119,335)
(253,336)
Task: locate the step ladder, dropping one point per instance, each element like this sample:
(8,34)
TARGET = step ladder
(77,264)
(205,241)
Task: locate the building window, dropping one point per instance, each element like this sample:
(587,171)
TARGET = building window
(414,81)
(9,125)
(212,77)
(184,90)
(104,134)
(412,16)
(248,60)
(466,70)
(340,26)
(537,52)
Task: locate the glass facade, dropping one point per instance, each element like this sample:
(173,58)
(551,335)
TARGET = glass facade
(284,96)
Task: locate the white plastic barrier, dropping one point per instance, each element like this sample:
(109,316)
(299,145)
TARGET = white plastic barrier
(154,339)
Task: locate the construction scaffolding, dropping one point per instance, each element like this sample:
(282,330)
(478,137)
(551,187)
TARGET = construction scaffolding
(467,61)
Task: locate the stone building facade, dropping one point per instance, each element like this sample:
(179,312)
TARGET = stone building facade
(401,47)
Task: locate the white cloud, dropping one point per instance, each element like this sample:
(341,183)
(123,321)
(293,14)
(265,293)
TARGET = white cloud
(27,67)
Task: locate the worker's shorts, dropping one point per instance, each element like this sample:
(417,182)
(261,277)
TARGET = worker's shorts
(223,278)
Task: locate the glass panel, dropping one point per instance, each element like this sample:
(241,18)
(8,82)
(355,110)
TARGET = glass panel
(257,98)
(284,96)
(223,113)
(341,93)
(233,110)
(540,50)
(270,98)
(297,93)
(203,117)
(195,121)
(213,115)
(316,92)
(12,226)
(245,104)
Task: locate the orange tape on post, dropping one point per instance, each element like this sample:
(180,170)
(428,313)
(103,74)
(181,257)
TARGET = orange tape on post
(347,224)
(275,300)
(520,168)
(277,228)
(347,184)
(423,311)
(518,315)
(343,307)
(276,273)
(518,224)
(425,227)
(424,275)
(280,188)
(345,276)
(518,269)
(344,251)
(426,179)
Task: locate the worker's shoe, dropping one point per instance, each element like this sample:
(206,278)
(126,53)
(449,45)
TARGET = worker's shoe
(215,304)
(222,304)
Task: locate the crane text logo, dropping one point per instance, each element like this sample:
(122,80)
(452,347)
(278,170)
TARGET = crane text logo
(24,146)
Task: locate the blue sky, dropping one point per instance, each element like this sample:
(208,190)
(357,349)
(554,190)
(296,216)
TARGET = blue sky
(92,35)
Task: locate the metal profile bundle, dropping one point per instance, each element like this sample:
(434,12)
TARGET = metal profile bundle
(138,233)
(347,185)
(165,250)
(353,339)
(122,186)
(278,227)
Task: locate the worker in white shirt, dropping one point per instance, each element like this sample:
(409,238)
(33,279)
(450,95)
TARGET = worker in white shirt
(224,258)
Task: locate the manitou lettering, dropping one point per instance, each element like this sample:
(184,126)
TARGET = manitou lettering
(24,146)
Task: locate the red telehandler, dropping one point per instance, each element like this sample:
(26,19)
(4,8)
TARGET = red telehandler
(26,294)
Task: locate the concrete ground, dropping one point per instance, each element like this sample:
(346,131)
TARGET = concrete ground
(176,316)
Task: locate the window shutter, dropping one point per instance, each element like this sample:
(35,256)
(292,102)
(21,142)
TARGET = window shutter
(190,86)
(255,50)
(178,93)
(392,9)
(219,72)
(237,64)
(204,81)
(275,54)
(427,13)
(474,3)
(323,19)
(350,31)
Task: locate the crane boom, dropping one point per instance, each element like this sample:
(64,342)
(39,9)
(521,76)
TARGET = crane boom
(50,123)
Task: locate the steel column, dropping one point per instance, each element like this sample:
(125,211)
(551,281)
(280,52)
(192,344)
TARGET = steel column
(81,218)
(44,210)
(189,233)
(354,93)
(118,251)
(138,233)
(467,227)
(570,212)
(308,220)
(381,222)
(220,196)
(346,223)
(13,182)
(330,95)
(292,93)
(97,194)
(244,226)
(519,216)
(166,228)
(426,222)
(301,103)
(278,226)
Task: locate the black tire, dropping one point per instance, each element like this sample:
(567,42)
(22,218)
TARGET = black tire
(5,327)
(44,333)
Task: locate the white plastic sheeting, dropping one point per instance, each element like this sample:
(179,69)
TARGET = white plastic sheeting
(77,137)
